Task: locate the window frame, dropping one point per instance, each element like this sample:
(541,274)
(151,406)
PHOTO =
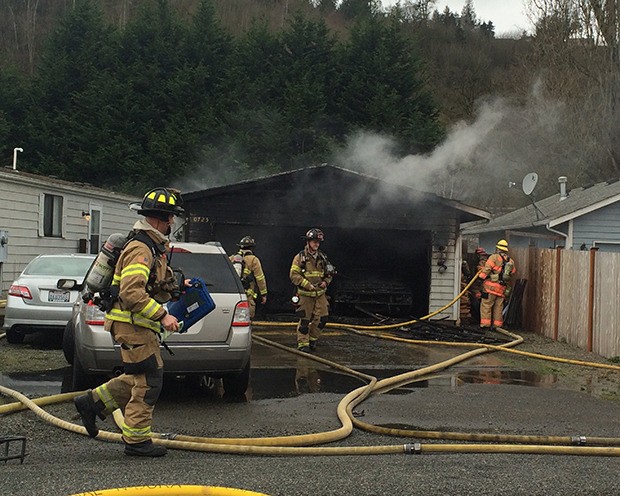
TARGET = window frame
(58,225)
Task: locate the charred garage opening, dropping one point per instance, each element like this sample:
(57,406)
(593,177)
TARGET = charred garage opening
(395,249)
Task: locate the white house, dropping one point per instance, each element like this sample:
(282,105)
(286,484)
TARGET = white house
(41,214)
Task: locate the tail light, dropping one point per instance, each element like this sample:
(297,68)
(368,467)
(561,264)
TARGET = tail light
(242,315)
(22,291)
(92,314)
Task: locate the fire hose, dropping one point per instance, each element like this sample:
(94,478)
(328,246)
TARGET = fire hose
(299,444)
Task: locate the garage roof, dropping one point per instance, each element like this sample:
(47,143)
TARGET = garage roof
(467,212)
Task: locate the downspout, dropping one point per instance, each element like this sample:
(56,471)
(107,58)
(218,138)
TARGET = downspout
(555,231)
(458,271)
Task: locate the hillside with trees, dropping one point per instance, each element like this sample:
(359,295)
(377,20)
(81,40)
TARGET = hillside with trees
(127,94)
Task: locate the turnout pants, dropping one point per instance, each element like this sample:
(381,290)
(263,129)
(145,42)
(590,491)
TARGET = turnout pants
(137,390)
(313,312)
(491,309)
(252,305)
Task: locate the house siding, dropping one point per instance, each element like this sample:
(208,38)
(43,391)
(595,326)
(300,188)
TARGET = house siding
(21,218)
(599,228)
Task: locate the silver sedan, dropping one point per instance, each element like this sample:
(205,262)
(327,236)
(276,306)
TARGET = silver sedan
(34,303)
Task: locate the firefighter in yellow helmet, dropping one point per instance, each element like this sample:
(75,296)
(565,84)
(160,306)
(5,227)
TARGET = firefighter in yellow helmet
(250,271)
(135,319)
(311,273)
(497,271)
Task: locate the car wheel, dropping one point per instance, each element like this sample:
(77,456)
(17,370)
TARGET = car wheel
(14,336)
(81,380)
(68,343)
(237,384)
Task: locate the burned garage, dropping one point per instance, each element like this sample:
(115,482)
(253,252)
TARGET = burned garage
(396,249)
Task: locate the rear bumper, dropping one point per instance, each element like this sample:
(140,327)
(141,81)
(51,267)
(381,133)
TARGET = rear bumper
(10,323)
(18,313)
(102,356)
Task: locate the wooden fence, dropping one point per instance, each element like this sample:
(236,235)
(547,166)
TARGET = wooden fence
(572,296)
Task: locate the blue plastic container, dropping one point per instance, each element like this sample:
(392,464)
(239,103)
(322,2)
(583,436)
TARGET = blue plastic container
(193,305)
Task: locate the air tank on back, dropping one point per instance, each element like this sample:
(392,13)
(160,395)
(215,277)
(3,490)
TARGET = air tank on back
(101,271)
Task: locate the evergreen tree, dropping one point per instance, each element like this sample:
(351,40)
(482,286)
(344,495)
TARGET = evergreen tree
(78,51)
(382,87)
(13,109)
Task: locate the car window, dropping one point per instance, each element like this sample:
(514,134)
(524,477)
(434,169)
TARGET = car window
(214,269)
(59,266)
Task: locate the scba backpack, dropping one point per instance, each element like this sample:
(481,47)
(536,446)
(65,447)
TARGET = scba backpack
(507,270)
(101,272)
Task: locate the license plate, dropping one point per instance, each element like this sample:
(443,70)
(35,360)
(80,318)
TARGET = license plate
(58,296)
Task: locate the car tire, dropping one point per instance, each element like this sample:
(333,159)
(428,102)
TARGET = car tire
(237,384)
(14,336)
(68,343)
(80,379)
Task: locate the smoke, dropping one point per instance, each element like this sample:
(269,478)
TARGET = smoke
(505,141)
(374,154)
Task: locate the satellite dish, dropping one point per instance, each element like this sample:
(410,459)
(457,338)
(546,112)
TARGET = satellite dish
(529,183)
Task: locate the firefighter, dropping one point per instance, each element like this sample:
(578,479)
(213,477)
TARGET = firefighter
(250,271)
(143,281)
(497,271)
(475,290)
(311,273)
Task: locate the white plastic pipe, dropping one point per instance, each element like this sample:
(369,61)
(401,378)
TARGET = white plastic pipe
(15,150)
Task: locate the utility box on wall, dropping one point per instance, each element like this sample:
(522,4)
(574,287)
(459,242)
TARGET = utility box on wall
(4,242)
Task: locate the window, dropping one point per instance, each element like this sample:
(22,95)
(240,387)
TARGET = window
(52,215)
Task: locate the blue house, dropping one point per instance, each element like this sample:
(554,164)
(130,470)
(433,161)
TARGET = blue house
(578,219)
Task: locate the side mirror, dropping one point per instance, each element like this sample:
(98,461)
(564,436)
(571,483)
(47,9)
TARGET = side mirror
(68,284)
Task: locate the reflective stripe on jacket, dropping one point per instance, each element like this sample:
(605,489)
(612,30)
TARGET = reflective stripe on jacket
(312,273)
(492,269)
(135,305)
(252,265)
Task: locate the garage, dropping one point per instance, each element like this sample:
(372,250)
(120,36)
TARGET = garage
(395,248)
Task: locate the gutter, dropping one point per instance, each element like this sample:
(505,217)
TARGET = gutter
(555,231)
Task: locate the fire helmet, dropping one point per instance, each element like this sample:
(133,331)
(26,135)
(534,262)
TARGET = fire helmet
(315,234)
(160,202)
(247,242)
(481,251)
(502,245)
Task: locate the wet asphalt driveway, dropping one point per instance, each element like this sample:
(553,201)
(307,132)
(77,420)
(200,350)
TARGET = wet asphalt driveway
(493,393)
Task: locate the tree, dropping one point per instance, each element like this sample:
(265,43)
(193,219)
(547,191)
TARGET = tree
(383,86)
(13,108)
(356,9)
(80,48)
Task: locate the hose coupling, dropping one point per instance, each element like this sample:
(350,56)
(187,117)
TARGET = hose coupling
(578,440)
(168,435)
(412,448)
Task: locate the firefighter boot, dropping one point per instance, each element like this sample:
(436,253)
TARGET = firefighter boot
(89,411)
(145,448)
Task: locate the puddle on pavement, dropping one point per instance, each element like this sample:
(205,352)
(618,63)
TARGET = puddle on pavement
(269,383)
(36,384)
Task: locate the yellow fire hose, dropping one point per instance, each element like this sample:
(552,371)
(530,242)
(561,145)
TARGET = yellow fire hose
(271,446)
(177,490)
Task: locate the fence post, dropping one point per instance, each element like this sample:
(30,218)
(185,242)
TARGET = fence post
(593,251)
(556,309)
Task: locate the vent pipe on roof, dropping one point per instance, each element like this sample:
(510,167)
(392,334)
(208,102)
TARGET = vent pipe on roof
(563,194)
(15,150)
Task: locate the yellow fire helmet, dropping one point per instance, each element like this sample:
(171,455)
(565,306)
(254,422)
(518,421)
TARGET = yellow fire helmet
(502,245)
